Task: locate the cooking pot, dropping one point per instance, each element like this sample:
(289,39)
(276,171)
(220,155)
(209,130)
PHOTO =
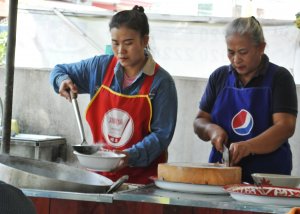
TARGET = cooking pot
(36,174)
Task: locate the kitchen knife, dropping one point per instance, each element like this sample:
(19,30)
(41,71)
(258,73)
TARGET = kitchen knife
(225,156)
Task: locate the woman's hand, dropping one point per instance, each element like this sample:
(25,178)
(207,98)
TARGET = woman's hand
(238,151)
(218,137)
(124,162)
(65,87)
(206,130)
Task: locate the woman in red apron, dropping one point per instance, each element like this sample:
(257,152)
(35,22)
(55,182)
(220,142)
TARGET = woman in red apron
(133,108)
(249,106)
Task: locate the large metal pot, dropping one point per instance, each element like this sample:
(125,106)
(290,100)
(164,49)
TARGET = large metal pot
(36,174)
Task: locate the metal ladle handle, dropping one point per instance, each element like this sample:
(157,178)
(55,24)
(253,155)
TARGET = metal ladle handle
(78,117)
(118,183)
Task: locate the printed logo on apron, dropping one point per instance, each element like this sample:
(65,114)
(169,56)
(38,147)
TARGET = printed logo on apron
(242,123)
(117,127)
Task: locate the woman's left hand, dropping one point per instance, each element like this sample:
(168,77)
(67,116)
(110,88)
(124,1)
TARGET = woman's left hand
(238,151)
(124,162)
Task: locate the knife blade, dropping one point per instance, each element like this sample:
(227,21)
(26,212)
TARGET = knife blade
(225,156)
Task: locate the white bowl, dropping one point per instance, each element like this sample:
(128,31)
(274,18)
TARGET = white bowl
(104,161)
(276,180)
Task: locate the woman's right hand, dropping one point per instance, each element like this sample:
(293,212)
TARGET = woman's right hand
(65,87)
(206,130)
(218,137)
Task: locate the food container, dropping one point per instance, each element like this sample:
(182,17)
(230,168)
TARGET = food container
(276,180)
(104,161)
(41,147)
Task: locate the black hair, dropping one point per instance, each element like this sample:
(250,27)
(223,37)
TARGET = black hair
(134,19)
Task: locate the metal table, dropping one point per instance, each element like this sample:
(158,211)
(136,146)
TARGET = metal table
(153,195)
(94,197)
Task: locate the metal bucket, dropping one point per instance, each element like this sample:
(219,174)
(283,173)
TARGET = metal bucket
(36,174)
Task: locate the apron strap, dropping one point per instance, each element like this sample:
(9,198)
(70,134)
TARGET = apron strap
(110,72)
(145,89)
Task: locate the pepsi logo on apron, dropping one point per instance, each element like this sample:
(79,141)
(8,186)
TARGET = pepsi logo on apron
(242,122)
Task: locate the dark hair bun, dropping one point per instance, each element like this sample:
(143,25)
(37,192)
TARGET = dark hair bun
(138,8)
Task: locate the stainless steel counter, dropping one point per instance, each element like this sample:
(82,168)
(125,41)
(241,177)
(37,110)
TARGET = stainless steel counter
(95,197)
(152,194)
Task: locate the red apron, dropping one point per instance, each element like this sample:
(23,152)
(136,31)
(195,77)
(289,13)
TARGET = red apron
(120,121)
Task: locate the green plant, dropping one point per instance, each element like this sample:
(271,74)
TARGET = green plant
(3,45)
(298,20)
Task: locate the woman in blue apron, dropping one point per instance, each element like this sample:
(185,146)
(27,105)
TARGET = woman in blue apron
(249,106)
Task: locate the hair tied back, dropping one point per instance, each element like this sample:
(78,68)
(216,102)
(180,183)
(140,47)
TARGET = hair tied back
(138,8)
(255,20)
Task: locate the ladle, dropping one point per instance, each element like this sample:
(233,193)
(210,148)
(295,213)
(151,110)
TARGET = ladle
(84,147)
(117,184)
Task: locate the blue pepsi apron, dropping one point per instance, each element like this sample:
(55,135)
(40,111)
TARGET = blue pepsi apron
(248,115)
